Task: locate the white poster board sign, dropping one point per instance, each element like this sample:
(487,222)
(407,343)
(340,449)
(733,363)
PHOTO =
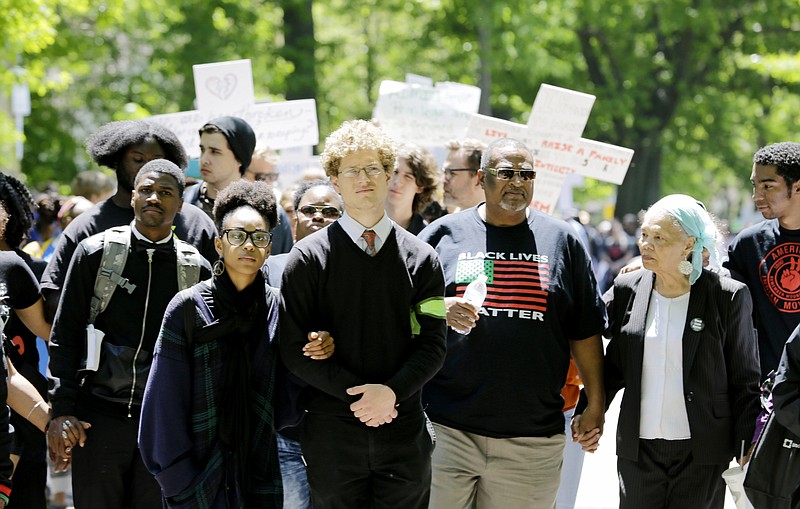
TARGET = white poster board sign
(277,125)
(418,79)
(553,134)
(427,116)
(224,86)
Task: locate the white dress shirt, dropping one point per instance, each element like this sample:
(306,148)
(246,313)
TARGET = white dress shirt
(354,229)
(663,410)
(140,236)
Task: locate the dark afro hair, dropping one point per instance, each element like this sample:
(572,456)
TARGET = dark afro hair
(18,204)
(106,145)
(785,156)
(243,193)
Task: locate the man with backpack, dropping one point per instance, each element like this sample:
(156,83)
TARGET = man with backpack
(115,294)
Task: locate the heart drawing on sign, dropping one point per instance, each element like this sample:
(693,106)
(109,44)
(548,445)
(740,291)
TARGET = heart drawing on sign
(222,87)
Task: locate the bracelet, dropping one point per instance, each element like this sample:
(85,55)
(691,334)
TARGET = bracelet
(37,405)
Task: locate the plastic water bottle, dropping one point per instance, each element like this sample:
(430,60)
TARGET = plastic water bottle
(475,294)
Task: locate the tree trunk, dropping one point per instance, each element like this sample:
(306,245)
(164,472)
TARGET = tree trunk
(484,52)
(642,185)
(299,48)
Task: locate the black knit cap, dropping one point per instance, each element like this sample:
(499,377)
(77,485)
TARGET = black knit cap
(240,137)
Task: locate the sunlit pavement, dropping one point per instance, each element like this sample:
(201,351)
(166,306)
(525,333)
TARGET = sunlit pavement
(598,488)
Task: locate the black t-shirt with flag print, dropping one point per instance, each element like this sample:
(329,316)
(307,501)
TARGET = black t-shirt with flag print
(504,379)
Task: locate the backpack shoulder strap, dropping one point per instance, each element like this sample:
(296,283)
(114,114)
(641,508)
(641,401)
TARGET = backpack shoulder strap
(116,243)
(189,263)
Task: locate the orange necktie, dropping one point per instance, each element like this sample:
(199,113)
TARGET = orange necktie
(369,238)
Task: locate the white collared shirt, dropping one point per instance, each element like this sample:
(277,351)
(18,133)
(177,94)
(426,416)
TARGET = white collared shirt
(663,409)
(140,236)
(354,229)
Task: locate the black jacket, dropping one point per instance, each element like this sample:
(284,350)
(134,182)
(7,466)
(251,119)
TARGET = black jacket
(131,323)
(720,363)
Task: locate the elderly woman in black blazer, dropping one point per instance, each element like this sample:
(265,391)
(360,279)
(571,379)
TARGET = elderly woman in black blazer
(684,349)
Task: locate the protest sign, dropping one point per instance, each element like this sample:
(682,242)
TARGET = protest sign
(427,116)
(553,134)
(226,88)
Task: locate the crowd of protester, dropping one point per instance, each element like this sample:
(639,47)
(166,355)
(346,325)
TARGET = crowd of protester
(212,343)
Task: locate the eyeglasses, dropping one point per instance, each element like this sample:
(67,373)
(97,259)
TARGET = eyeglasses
(525,174)
(265,177)
(449,171)
(371,171)
(327,211)
(238,236)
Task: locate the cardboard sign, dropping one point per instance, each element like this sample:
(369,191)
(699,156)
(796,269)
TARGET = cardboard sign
(553,134)
(224,86)
(488,129)
(417,79)
(428,116)
(277,125)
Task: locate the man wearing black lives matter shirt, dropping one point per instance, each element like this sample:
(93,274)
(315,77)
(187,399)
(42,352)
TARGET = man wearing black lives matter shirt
(496,403)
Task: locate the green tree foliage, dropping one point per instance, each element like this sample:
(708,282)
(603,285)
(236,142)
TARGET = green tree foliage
(693,86)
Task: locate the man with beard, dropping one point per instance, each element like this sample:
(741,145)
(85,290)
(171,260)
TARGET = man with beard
(462,187)
(496,403)
(125,146)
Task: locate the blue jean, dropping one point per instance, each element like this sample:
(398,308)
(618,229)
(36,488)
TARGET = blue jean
(296,493)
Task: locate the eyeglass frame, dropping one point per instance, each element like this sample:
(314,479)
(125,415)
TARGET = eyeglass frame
(319,209)
(225,231)
(264,176)
(495,172)
(449,171)
(355,172)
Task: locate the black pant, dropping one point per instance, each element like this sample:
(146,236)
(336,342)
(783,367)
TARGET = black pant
(30,480)
(353,466)
(30,476)
(666,476)
(108,471)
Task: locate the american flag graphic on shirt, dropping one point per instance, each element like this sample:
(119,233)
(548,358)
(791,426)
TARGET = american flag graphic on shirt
(511,284)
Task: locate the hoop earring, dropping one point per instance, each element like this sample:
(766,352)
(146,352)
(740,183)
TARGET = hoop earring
(218,268)
(685,267)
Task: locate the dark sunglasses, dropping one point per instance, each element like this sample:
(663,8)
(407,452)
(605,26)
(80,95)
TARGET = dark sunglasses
(327,211)
(508,173)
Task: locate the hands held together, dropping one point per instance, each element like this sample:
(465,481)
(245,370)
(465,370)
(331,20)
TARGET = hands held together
(587,428)
(377,403)
(63,433)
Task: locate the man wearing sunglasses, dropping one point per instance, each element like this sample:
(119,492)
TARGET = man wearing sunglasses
(462,187)
(317,205)
(496,403)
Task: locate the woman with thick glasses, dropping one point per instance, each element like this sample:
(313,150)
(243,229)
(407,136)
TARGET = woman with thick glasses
(208,417)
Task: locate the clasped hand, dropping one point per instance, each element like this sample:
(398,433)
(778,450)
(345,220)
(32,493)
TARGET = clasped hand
(376,405)
(63,433)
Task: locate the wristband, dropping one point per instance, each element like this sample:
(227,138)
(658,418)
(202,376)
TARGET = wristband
(37,405)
